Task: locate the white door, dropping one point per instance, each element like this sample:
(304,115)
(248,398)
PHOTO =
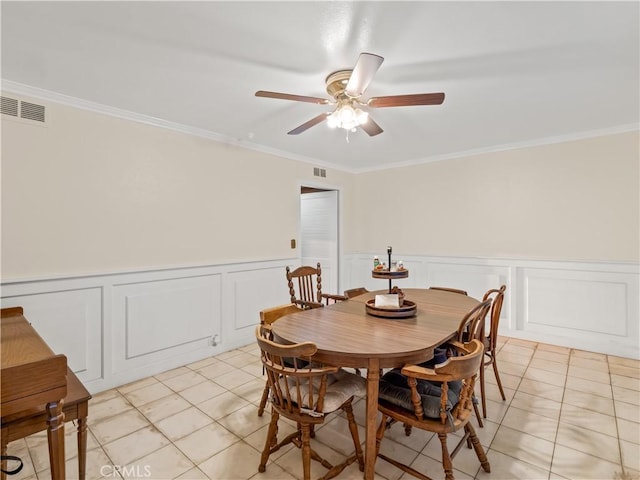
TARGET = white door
(319,235)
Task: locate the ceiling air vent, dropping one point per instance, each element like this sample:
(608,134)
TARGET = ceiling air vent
(21,109)
(32,111)
(9,106)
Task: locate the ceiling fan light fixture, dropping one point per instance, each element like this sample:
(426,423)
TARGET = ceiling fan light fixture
(347,114)
(347,117)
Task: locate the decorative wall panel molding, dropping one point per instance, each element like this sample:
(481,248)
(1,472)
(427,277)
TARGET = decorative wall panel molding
(248,291)
(593,311)
(118,328)
(159,318)
(70,321)
(584,305)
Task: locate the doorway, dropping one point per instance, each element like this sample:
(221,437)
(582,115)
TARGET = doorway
(319,233)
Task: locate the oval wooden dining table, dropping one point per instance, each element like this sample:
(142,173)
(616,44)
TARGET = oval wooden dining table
(347,336)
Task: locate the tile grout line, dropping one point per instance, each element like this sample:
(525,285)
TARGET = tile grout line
(615,417)
(564,392)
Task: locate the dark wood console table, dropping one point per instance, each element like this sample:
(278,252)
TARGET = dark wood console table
(33,377)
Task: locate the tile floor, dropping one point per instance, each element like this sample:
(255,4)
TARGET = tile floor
(569,414)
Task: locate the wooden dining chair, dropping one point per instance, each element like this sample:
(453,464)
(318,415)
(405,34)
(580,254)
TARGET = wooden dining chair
(448,289)
(305,287)
(267,317)
(490,341)
(471,327)
(354,292)
(437,400)
(305,393)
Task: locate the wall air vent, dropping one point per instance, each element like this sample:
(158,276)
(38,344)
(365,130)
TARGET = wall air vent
(32,111)
(21,109)
(319,172)
(9,106)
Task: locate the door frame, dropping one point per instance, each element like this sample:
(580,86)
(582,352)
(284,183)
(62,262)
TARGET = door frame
(339,215)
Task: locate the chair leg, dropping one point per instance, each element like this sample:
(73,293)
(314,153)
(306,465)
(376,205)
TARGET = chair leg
(263,400)
(477,410)
(446,458)
(477,446)
(380,432)
(495,370)
(354,434)
(306,451)
(483,397)
(269,442)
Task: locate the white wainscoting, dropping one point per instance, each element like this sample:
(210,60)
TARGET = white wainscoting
(117,328)
(584,305)
(155,319)
(69,317)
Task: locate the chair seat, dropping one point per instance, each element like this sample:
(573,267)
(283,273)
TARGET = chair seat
(394,390)
(408,418)
(341,386)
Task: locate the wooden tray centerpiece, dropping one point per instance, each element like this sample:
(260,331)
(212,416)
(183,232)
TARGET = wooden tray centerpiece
(408,309)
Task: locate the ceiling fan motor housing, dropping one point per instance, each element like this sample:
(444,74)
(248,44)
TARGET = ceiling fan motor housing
(337,83)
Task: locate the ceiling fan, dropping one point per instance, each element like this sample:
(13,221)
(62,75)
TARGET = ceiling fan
(347,88)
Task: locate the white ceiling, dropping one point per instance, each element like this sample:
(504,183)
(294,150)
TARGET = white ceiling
(514,73)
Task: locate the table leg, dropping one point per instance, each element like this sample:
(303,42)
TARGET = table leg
(373,379)
(55,435)
(82,447)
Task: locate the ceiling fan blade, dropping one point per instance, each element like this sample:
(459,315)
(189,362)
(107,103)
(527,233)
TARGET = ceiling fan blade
(366,67)
(371,127)
(288,96)
(407,100)
(305,126)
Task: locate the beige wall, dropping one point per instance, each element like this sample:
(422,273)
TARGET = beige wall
(91,193)
(95,194)
(571,201)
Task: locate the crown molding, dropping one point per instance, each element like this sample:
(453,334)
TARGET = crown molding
(27,90)
(537,142)
(48,95)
